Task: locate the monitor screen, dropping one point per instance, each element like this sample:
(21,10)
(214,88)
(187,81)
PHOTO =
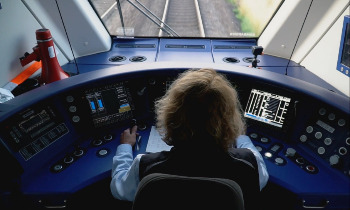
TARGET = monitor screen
(267,107)
(109,104)
(345,57)
(343,63)
(33,130)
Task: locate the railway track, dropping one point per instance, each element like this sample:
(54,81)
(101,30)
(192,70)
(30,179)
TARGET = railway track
(180,17)
(184,17)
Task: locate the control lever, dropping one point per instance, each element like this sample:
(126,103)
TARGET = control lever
(141,91)
(256,50)
(138,142)
(140,126)
(138,138)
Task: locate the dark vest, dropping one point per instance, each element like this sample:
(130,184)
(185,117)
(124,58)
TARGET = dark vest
(238,164)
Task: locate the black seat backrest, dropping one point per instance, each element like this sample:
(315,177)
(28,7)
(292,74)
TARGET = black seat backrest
(167,192)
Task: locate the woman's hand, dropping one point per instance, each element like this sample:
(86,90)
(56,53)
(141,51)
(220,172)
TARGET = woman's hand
(129,136)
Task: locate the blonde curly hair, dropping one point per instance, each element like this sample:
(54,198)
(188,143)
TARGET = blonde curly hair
(200,103)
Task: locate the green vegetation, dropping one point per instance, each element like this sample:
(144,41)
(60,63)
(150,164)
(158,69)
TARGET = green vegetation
(253,14)
(247,25)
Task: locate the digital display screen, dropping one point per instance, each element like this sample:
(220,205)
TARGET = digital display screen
(109,104)
(267,107)
(345,58)
(34,129)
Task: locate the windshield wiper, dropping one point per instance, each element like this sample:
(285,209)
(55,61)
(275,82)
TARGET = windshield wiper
(151,16)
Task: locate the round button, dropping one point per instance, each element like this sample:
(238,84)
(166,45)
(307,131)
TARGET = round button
(268,154)
(290,152)
(347,141)
(259,148)
(331,116)
(72,108)
(327,141)
(70,99)
(342,150)
(279,161)
(321,150)
(57,167)
(253,135)
(334,160)
(303,138)
(68,159)
(310,168)
(341,122)
(264,140)
(97,142)
(300,160)
(108,137)
(102,152)
(75,118)
(322,111)
(309,129)
(78,152)
(318,135)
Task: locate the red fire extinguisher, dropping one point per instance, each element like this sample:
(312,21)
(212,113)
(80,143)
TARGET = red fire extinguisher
(51,70)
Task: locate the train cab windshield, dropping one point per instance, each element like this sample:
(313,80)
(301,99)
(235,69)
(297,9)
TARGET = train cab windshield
(75,74)
(221,19)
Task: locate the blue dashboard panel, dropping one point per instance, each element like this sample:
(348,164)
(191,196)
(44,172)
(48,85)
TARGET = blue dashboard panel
(240,53)
(80,153)
(220,51)
(234,52)
(185,50)
(124,51)
(61,137)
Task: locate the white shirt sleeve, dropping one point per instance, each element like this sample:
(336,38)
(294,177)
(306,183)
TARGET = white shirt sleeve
(125,173)
(244,141)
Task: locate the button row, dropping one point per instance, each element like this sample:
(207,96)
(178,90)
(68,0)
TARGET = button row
(79,152)
(301,161)
(270,154)
(100,141)
(68,160)
(261,139)
(331,116)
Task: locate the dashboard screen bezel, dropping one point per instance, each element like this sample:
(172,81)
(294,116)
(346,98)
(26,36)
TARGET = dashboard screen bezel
(289,116)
